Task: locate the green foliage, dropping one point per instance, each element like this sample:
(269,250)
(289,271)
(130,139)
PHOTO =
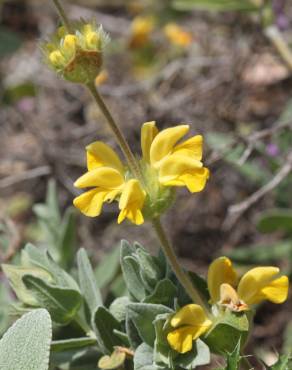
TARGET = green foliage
(215,5)
(284,363)
(146,276)
(143,316)
(107,271)
(227,331)
(68,344)
(143,359)
(59,233)
(262,253)
(87,281)
(233,358)
(87,331)
(274,220)
(62,303)
(105,324)
(26,345)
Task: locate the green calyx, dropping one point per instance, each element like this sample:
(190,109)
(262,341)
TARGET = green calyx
(159,198)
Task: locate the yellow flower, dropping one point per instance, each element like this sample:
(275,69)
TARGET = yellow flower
(178,163)
(176,35)
(166,162)
(258,284)
(107,177)
(190,323)
(141,29)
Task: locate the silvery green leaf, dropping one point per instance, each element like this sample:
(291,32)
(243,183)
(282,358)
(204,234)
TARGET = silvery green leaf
(131,272)
(62,303)
(149,268)
(104,325)
(26,345)
(87,282)
(132,332)
(38,257)
(143,359)
(198,356)
(15,275)
(118,308)
(164,293)
(143,316)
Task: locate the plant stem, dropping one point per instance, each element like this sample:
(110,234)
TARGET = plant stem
(63,15)
(132,162)
(182,277)
(280,44)
(84,326)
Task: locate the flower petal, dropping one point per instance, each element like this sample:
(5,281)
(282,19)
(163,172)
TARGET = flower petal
(181,340)
(164,142)
(175,166)
(195,181)
(190,322)
(104,177)
(193,147)
(277,290)
(262,283)
(101,155)
(220,271)
(191,314)
(90,203)
(148,133)
(132,202)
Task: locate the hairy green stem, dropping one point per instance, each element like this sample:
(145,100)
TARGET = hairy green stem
(132,162)
(63,16)
(182,276)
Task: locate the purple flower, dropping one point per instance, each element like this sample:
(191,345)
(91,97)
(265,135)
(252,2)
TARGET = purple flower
(272,150)
(279,10)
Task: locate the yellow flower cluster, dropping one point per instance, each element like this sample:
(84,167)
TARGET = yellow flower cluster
(67,52)
(258,284)
(143,26)
(166,162)
(177,36)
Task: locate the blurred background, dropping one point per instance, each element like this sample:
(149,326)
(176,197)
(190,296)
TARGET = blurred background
(223,66)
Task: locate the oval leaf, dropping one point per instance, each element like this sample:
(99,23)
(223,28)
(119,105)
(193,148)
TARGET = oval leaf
(26,345)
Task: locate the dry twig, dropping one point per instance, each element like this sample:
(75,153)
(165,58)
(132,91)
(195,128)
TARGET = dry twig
(234,212)
(27,175)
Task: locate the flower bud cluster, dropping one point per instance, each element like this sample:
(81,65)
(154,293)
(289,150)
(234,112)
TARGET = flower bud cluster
(77,56)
